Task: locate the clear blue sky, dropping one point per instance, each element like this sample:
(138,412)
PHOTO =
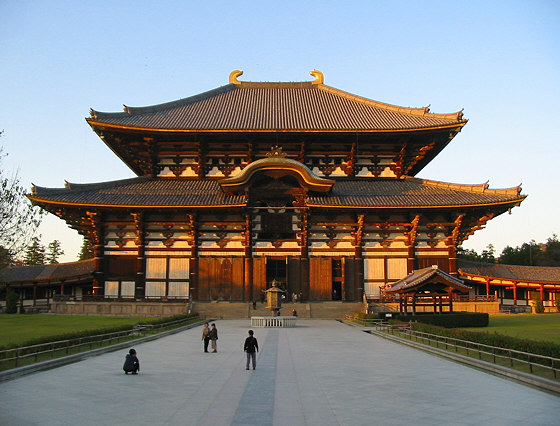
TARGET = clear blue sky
(499,60)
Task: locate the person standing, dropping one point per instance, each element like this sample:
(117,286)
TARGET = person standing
(251,347)
(206,336)
(214,338)
(131,363)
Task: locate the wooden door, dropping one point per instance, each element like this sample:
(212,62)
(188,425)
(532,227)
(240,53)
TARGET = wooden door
(320,278)
(259,278)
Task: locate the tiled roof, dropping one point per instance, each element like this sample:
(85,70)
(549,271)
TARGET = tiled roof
(142,192)
(51,272)
(364,192)
(417,278)
(276,106)
(510,272)
(413,192)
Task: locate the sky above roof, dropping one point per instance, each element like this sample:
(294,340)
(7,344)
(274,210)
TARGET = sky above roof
(498,60)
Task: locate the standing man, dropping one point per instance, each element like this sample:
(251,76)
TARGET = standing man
(251,347)
(206,336)
(214,337)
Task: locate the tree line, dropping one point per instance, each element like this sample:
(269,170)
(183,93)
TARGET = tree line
(530,254)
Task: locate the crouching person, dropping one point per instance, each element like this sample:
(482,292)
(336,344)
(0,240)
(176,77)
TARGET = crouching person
(131,363)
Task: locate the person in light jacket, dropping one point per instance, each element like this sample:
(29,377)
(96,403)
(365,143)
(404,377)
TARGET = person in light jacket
(131,363)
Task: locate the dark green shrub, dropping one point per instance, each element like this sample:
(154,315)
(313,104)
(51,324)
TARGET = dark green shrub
(539,306)
(493,339)
(557,303)
(449,319)
(12,302)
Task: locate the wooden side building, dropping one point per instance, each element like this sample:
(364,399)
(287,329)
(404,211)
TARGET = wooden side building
(252,182)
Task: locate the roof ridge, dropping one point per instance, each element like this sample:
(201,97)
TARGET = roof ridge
(480,188)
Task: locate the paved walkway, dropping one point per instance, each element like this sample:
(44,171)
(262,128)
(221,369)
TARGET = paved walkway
(319,373)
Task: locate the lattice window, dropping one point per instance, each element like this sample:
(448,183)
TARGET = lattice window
(111,289)
(178,290)
(127,289)
(156,267)
(155,289)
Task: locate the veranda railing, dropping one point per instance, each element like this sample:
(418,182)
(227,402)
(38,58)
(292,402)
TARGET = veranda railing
(494,354)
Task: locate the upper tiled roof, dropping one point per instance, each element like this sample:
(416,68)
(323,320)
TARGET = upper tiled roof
(364,192)
(52,272)
(510,272)
(248,106)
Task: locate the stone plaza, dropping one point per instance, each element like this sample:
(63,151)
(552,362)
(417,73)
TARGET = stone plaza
(320,372)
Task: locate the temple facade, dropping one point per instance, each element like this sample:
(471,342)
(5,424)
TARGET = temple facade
(254,182)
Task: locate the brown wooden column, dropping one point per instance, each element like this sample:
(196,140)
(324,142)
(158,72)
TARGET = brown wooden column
(411,236)
(248,266)
(358,255)
(34,294)
(452,254)
(541,289)
(515,293)
(450,301)
(96,222)
(140,281)
(194,278)
(413,303)
(487,286)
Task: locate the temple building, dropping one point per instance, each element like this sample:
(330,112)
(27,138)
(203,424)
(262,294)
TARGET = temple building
(253,182)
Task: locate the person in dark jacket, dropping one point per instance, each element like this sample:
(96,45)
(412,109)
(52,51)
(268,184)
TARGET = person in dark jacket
(251,347)
(131,363)
(214,337)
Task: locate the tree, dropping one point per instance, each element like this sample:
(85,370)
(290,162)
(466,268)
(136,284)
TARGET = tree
(487,255)
(34,253)
(54,251)
(86,252)
(19,219)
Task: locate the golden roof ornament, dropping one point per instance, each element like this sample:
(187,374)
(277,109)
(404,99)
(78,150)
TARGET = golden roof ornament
(319,77)
(233,77)
(276,152)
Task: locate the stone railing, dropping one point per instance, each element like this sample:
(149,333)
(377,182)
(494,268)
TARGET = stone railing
(273,321)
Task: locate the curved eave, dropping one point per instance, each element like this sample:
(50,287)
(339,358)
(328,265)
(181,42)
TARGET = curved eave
(312,181)
(470,276)
(513,203)
(104,125)
(129,206)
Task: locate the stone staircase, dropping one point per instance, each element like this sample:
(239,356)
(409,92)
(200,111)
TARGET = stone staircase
(316,310)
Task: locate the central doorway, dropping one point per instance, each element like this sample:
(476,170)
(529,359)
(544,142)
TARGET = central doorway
(276,271)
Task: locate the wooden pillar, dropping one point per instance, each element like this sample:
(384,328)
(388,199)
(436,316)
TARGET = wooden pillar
(140,281)
(542,292)
(515,293)
(98,253)
(450,301)
(358,255)
(434,299)
(440,304)
(413,303)
(248,266)
(487,286)
(194,261)
(452,253)
(34,294)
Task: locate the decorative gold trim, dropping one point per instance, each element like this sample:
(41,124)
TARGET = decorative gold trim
(233,77)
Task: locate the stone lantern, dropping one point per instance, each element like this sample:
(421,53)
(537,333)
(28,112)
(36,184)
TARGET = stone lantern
(274,297)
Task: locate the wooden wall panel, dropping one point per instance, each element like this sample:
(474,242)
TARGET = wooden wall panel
(320,278)
(259,277)
(204,278)
(237,278)
(120,267)
(426,262)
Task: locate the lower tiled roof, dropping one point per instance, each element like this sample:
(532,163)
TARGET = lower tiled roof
(510,272)
(359,192)
(51,272)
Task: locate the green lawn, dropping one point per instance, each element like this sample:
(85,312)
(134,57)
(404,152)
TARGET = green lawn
(541,327)
(19,329)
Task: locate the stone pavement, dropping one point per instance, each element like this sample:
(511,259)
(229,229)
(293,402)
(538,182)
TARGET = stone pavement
(319,373)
